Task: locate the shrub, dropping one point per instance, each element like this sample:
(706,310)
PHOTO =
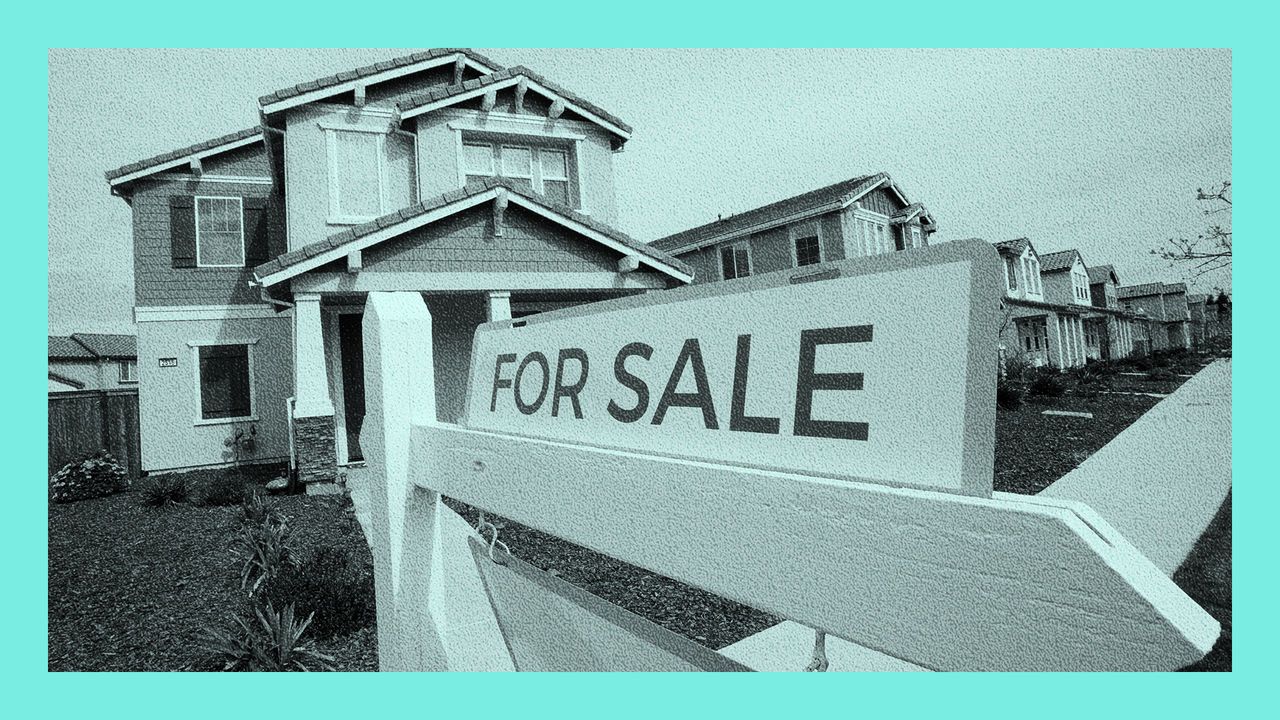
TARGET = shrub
(330,584)
(164,490)
(266,551)
(256,509)
(1008,396)
(1045,383)
(225,488)
(269,641)
(1017,367)
(97,475)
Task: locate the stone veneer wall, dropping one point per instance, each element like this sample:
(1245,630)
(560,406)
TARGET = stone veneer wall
(313,440)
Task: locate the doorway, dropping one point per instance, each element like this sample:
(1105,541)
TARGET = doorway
(351,344)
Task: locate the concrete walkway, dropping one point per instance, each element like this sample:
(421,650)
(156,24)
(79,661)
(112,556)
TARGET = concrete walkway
(1161,481)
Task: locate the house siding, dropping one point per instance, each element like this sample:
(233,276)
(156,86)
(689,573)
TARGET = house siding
(156,281)
(466,243)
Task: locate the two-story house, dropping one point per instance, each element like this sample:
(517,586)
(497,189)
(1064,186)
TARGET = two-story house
(863,216)
(488,190)
(1165,306)
(1043,307)
(1108,328)
(92,361)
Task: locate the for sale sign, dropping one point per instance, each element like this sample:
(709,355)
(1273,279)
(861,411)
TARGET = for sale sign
(880,369)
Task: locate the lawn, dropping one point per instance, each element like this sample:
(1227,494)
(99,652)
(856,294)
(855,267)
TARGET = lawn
(129,588)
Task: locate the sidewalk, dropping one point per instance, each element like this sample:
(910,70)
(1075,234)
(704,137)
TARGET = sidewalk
(1162,480)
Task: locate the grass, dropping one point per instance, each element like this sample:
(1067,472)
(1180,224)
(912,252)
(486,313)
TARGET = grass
(130,587)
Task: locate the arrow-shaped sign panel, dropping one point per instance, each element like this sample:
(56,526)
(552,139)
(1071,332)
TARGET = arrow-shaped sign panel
(878,369)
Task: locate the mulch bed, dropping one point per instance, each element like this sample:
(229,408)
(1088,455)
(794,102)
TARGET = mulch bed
(130,588)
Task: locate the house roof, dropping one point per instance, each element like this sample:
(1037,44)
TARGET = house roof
(1056,307)
(1060,260)
(1101,273)
(109,346)
(338,245)
(64,348)
(438,97)
(831,197)
(1147,289)
(1014,247)
(182,155)
(368,71)
(69,382)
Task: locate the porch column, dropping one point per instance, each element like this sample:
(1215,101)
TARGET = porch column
(1056,356)
(313,431)
(499,305)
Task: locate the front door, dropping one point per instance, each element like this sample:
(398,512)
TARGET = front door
(351,341)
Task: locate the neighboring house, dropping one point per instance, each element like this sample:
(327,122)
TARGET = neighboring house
(1043,307)
(1108,328)
(863,216)
(488,190)
(1210,317)
(92,361)
(1165,305)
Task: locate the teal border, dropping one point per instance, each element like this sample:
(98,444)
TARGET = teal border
(33,27)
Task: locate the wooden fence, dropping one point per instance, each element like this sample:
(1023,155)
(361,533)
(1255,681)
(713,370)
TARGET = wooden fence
(81,423)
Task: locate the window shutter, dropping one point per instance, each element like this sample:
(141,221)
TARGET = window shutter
(256,235)
(182,230)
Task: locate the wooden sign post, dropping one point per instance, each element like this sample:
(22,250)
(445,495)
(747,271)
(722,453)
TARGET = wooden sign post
(816,444)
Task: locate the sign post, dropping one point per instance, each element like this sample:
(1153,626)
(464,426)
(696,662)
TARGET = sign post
(817,444)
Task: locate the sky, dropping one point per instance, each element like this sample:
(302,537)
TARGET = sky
(1097,150)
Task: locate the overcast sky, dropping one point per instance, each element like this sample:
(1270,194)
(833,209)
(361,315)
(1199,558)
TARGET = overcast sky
(1097,150)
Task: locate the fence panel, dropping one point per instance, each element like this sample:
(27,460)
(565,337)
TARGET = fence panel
(81,423)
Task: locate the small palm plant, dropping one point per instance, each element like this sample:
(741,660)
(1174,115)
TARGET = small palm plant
(266,551)
(269,641)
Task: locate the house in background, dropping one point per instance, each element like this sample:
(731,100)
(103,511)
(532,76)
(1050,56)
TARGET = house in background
(488,190)
(1210,317)
(866,215)
(92,361)
(1108,328)
(1165,306)
(1042,315)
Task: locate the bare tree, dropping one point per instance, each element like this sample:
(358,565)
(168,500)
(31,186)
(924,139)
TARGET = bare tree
(1212,249)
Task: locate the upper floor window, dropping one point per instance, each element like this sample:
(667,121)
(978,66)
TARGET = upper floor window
(1011,271)
(219,232)
(735,261)
(539,169)
(872,230)
(370,174)
(808,250)
(128,371)
(917,238)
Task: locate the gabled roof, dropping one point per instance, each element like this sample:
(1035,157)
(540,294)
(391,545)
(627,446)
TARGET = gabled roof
(66,348)
(453,94)
(109,346)
(1147,289)
(331,85)
(395,224)
(69,382)
(822,200)
(182,156)
(1102,273)
(1197,299)
(1060,260)
(92,346)
(1015,247)
(910,212)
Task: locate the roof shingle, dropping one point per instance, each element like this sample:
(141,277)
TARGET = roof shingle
(183,152)
(1101,273)
(1060,260)
(368,70)
(735,224)
(308,252)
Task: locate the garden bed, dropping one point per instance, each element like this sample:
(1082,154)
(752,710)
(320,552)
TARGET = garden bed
(130,588)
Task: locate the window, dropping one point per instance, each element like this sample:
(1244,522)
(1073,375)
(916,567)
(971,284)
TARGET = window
(370,174)
(917,240)
(219,232)
(1011,271)
(735,261)
(808,250)
(539,169)
(226,382)
(873,230)
(128,371)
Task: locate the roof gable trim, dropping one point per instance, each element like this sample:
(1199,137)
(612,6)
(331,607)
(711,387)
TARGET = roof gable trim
(512,81)
(322,93)
(186,159)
